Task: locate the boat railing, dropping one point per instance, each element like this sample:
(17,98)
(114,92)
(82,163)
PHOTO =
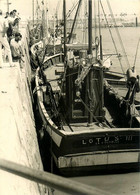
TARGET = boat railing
(57,58)
(50,180)
(54,56)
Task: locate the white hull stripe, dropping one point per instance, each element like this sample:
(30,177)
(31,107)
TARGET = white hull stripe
(99,159)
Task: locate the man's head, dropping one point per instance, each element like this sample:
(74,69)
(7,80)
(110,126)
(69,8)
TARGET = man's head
(14,12)
(0,12)
(11,14)
(18,36)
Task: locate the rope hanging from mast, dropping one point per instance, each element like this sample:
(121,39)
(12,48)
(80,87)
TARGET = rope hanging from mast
(117,31)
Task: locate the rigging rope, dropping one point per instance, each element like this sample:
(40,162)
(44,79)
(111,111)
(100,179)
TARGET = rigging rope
(99,19)
(37,9)
(117,31)
(112,38)
(71,10)
(95,20)
(57,7)
(84,22)
(136,52)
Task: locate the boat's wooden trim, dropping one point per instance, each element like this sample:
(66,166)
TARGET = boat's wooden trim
(40,103)
(106,130)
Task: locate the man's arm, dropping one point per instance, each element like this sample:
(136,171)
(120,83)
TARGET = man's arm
(5,28)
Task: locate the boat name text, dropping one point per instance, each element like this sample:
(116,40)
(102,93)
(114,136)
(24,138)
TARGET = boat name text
(107,140)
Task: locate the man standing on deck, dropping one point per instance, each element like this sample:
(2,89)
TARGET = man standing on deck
(3,40)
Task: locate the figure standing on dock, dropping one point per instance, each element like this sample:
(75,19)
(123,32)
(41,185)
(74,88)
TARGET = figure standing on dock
(13,21)
(3,40)
(16,49)
(16,21)
(10,26)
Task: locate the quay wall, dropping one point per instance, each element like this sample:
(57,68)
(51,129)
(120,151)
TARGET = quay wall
(18,139)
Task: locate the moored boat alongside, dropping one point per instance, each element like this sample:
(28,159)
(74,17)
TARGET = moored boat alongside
(89,126)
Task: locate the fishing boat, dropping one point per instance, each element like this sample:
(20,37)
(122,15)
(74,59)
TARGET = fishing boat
(38,49)
(50,36)
(90,127)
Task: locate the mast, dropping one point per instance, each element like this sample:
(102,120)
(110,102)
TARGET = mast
(90,78)
(101,58)
(74,21)
(90,27)
(33,7)
(8,5)
(54,33)
(46,20)
(65,37)
(43,23)
(44,26)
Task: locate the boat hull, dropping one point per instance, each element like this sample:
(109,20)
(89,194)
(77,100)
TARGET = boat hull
(84,148)
(99,169)
(98,150)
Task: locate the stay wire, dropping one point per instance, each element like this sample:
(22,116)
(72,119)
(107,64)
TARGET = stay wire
(99,19)
(112,38)
(136,53)
(72,9)
(117,31)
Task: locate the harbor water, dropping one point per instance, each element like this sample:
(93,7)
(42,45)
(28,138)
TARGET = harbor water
(128,182)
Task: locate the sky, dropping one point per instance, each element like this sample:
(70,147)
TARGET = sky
(24,7)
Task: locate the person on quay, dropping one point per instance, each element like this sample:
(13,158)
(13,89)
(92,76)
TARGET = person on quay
(3,40)
(16,25)
(15,22)
(16,48)
(10,33)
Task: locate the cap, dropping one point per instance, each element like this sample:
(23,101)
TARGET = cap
(17,34)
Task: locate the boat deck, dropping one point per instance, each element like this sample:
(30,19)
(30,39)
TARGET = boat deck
(82,127)
(53,74)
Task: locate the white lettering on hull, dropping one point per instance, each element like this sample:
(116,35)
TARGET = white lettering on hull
(106,140)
